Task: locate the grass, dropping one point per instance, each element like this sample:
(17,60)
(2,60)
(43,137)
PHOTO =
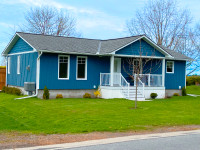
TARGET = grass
(87,115)
(193,89)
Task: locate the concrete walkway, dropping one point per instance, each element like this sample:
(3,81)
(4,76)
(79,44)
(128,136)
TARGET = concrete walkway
(113,140)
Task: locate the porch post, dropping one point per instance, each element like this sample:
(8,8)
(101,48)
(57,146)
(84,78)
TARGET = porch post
(163,72)
(111,69)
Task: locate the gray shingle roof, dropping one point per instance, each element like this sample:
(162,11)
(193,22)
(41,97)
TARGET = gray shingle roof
(175,54)
(83,45)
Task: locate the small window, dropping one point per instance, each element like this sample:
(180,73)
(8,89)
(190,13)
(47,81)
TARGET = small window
(170,67)
(18,64)
(8,65)
(82,68)
(63,67)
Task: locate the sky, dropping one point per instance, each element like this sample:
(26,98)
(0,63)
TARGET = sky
(97,19)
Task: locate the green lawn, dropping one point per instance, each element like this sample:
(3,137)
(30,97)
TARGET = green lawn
(193,89)
(87,115)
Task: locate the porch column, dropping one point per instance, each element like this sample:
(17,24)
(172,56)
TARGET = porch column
(111,69)
(163,72)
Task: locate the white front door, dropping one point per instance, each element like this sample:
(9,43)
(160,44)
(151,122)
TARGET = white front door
(117,71)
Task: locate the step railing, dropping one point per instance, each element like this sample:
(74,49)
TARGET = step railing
(117,81)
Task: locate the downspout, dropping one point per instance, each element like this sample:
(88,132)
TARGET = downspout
(37,78)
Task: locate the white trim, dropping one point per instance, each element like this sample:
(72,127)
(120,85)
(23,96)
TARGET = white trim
(137,56)
(147,40)
(68,67)
(185,73)
(112,58)
(13,38)
(22,53)
(9,64)
(86,59)
(38,72)
(172,67)
(26,41)
(18,64)
(163,72)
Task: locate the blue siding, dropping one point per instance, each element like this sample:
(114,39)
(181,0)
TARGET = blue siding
(134,49)
(176,79)
(20,46)
(25,75)
(155,65)
(49,72)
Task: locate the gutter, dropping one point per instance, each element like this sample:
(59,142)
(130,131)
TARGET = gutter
(37,79)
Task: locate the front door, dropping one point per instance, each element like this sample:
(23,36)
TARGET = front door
(117,71)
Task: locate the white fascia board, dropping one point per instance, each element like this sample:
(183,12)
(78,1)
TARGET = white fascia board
(127,44)
(15,37)
(27,42)
(137,56)
(148,41)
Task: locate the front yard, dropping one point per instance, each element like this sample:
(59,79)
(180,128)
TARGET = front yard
(88,115)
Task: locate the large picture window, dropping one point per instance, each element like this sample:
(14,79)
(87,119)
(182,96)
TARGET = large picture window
(18,64)
(170,67)
(63,67)
(81,68)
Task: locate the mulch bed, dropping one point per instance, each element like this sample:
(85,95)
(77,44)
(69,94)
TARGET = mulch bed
(16,140)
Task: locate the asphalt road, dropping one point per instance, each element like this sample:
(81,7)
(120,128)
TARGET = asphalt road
(181,142)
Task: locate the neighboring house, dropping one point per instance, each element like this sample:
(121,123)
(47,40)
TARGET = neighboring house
(74,66)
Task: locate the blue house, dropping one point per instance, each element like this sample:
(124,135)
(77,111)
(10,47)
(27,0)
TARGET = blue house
(73,66)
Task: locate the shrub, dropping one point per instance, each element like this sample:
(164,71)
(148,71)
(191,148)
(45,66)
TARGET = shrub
(4,89)
(87,95)
(153,95)
(11,90)
(59,96)
(46,93)
(176,94)
(184,93)
(192,80)
(97,93)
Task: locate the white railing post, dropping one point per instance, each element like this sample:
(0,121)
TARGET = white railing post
(149,80)
(111,69)
(100,78)
(128,89)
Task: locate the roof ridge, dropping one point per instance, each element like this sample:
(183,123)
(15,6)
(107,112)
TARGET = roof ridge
(81,38)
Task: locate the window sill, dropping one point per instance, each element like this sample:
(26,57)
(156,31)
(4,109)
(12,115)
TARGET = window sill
(63,78)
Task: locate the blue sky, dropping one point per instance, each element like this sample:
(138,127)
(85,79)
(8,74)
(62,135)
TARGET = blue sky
(101,19)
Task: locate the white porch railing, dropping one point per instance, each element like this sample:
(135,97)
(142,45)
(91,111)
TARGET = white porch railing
(118,81)
(150,80)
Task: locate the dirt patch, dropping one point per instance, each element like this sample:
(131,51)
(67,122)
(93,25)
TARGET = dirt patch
(16,140)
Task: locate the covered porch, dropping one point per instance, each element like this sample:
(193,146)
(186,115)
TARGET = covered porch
(118,84)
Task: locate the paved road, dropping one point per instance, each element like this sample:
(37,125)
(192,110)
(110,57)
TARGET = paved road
(182,142)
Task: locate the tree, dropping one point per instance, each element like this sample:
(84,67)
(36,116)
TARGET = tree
(50,21)
(141,65)
(168,25)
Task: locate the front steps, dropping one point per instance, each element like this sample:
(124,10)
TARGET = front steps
(132,94)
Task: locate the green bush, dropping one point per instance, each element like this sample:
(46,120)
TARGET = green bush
(87,95)
(176,94)
(46,93)
(11,90)
(59,96)
(192,80)
(184,93)
(153,95)
(4,89)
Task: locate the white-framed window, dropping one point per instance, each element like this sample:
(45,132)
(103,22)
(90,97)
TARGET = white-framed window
(9,65)
(63,67)
(18,64)
(170,67)
(81,68)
